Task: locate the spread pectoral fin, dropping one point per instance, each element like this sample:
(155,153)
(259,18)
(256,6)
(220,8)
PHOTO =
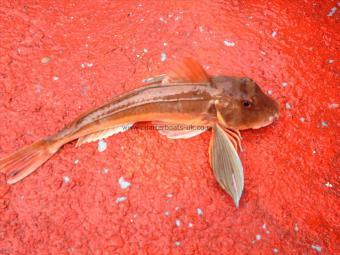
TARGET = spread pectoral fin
(226,164)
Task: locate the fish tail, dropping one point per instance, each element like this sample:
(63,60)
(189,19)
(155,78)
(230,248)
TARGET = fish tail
(26,160)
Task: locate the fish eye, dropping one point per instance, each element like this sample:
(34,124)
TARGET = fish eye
(246,103)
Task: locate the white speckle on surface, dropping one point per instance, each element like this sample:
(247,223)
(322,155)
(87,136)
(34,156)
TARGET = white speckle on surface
(123,183)
(201,29)
(84,89)
(190,225)
(83,65)
(331,12)
(66,179)
(296,228)
(316,247)
(162,20)
(314,151)
(163,56)
(177,208)
(105,170)
(120,199)
(76,161)
(145,50)
(263,52)
(324,124)
(199,211)
(165,44)
(55,78)
(284,84)
(328,185)
(267,232)
(258,237)
(269,92)
(264,226)
(45,60)
(288,106)
(274,33)
(302,119)
(330,61)
(167,213)
(178,223)
(169,195)
(276,250)
(229,43)
(101,145)
(333,105)
(177,243)
(38,88)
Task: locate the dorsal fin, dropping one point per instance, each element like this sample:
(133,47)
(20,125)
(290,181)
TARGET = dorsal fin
(186,71)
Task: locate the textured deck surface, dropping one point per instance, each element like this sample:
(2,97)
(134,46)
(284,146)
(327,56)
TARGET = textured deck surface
(145,194)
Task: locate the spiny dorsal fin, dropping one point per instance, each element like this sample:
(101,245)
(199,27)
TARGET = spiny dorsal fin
(103,134)
(187,71)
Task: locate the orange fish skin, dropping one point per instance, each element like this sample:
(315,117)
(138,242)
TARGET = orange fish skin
(176,103)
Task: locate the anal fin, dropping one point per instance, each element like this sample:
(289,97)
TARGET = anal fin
(103,134)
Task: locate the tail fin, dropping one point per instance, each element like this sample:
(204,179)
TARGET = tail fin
(26,160)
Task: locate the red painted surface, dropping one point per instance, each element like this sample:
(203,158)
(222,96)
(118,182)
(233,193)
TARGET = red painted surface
(97,51)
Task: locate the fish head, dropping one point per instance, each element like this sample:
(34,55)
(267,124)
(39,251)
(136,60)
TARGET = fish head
(243,105)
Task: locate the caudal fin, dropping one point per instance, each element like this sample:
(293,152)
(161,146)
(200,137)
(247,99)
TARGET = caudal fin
(26,160)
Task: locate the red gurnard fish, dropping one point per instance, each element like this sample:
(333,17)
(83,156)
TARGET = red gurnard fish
(188,96)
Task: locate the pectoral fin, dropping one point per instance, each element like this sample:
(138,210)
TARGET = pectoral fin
(226,164)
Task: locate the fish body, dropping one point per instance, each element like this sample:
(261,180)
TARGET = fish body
(175,103)
(187,95)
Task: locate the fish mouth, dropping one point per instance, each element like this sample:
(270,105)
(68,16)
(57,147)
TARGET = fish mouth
(270,120)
